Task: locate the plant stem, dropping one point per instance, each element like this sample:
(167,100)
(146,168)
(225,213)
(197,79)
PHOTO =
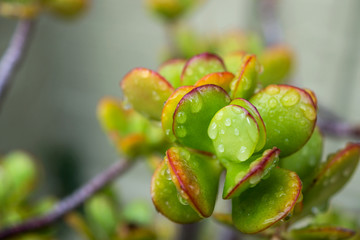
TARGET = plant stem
(69,203)
(13,55)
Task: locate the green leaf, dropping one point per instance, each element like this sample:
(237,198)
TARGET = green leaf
(234,133)
(321,233)
(241,176)
(171,70)
(167,115)
(277,64)
(332,176)
(268,202)
(289,114)
(194,113)
(234,60)
(306,161)
(221,79)
(166,197)
(196,176)
(256,115)
(246,78)
(199,66)
(146,91)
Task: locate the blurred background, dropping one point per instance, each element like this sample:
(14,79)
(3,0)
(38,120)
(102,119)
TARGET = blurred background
(71,65)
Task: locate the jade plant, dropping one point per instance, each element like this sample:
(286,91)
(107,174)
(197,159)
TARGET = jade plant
(214,115)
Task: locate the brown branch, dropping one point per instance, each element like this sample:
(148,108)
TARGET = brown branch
(13,55)
(69,203)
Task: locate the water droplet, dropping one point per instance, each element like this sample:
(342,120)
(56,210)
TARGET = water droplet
(196,103)
(155,96)
(227,122)
(242,154)
(219,115)
(180,131)
(167,174)
(222,131)
(255,179)
(290,98)
(272,90)
(347,172)
(236,132)
(212,131)
(182,200)
(221,148)
(272,102)
(297,115)
(167,132)
(308,111)
(185,155)
(181,117)
(281,118)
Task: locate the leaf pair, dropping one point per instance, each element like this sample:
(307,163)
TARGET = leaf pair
(184,187)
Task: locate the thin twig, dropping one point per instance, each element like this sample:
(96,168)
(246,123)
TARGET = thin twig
(189,231)
(69,203)
(13,55)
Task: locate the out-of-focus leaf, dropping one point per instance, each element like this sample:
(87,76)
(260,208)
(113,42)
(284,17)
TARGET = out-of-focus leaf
(321,233)
(221,79)
(332,176)
(171,71)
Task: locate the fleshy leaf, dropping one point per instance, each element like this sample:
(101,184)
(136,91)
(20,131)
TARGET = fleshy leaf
(321,233)
(254,112)
(199,66)
(194,113)
(171,71)
(166,198)
(196,176)
(221,79)
(170,10)
(234,133)
(241,176)
(146,91)
(332,176)
(268,202)
(169,109)
(277,63)
(306,161)
(289,114)
(246,78)
(234,60)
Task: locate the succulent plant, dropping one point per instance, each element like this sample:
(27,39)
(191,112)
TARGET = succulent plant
(219,115)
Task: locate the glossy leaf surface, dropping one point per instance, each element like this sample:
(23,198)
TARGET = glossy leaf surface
(171,71)
(146,91)
(289,115)
(268,202)
(199,66)
(234,133)
(256,115)
(194,113)
(234,60)
(221,79)
(306,161)
(241,176)
(246,78)
(196,177)
(167,115)
(165,197)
